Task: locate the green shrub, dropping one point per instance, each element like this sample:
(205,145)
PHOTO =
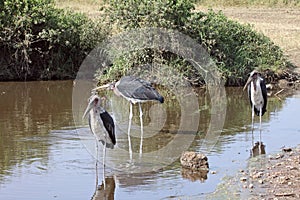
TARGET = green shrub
(39,41)
(237,49)
(143,13)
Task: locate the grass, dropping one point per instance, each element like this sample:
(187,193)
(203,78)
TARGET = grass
(247,3)
(89,7)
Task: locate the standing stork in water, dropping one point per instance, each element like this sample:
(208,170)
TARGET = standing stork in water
(99,118)
(257,93)
(134,90)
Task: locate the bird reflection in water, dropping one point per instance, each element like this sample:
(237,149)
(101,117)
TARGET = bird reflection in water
(258,149)
(106,191)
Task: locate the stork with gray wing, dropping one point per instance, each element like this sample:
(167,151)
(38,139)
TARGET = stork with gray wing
(135,90)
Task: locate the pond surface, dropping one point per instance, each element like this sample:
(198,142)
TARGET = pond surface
(48,152)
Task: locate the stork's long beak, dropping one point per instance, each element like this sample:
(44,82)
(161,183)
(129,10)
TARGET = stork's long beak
(102,87)
(248,82)
(87,110)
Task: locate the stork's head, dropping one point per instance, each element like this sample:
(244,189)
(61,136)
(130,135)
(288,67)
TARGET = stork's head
(94,102)
(254,76)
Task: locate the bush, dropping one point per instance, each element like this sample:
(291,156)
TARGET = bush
(142,13)
(237,49)
(39,41)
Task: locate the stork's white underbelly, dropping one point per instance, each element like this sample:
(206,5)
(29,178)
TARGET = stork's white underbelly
(256,95)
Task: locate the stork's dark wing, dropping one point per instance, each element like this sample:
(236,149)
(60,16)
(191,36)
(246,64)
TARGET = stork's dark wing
(264,94)
(136,88)
(109,125)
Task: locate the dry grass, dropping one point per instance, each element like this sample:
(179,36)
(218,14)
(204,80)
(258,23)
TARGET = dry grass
(247,3)
(282,25)
(89,7)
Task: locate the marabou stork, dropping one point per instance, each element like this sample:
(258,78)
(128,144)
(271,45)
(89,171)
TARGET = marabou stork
(257,93)
(135,90)
(99,118)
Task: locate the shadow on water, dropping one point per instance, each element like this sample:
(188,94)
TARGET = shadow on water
(38,141)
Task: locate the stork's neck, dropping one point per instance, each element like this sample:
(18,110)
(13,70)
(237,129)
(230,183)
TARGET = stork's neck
(116,90)
(254,84)
(99,109)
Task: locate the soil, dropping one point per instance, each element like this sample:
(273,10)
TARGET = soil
(273,177)
(267,177)
(276,176)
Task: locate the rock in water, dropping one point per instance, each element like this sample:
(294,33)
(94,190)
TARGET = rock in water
(193,160)
(194,175)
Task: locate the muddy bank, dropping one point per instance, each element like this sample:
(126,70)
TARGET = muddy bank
(275,176)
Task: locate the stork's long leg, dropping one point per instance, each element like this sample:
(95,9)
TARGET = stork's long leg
(252,123)
(260,142)
(96,163)
(142,129)
(129,127)
(252,127)
(104,157)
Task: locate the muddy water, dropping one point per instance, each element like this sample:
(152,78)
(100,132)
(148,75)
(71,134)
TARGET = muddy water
(47,151)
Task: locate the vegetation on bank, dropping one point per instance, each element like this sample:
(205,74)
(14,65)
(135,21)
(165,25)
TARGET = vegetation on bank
(236,49)
(40,41)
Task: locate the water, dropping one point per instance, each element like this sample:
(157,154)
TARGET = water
(47,151)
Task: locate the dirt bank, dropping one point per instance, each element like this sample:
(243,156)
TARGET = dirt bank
(267,177)
(275,177)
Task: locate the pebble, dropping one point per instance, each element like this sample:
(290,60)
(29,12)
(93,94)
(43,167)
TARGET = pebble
(279,156)
(287,149)
(257,175)
(243,179)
